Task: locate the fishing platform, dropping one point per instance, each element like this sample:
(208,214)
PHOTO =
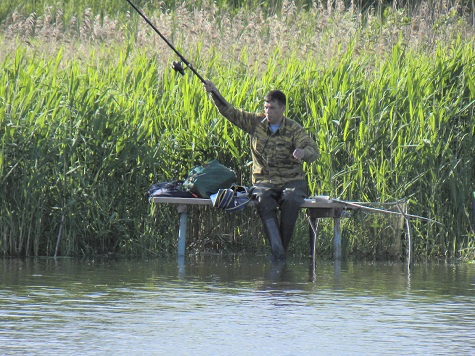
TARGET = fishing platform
(317,207)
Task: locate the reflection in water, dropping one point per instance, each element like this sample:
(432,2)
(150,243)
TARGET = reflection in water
(235,304)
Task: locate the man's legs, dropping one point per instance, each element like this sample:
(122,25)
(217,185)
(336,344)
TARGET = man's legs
(267,197)
(293,195)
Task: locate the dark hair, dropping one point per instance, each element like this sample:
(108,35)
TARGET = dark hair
(276,95)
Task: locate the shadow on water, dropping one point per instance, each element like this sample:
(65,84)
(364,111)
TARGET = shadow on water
(380,277)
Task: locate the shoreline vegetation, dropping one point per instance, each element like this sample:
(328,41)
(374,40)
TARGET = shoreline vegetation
(92,114)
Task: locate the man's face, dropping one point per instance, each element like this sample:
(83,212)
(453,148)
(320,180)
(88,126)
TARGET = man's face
(274,112)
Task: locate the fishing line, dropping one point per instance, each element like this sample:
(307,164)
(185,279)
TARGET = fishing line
(362,207)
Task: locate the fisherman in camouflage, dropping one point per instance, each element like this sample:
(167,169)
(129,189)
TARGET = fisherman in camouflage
(278,147)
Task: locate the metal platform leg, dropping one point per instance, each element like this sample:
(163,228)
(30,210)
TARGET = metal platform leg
(312,217)
(182,210)
(336,239)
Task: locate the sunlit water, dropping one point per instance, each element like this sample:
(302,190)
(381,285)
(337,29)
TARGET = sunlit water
(235,305)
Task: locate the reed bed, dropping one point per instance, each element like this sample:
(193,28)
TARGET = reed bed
(92,115)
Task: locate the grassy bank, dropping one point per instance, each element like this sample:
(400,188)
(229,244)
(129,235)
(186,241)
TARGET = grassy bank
(92,115)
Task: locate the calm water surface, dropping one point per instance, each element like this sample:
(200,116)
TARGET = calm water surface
(235,305)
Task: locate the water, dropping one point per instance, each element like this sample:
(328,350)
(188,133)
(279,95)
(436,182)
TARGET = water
(235,305)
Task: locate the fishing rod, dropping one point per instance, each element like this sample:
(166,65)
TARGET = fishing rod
(175,65)
(362,207)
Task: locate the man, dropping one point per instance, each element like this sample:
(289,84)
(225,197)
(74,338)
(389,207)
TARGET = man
(278,147)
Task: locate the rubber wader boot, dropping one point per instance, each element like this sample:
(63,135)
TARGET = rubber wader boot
(286,232)
(273,235)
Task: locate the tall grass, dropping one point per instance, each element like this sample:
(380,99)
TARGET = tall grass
(92,116)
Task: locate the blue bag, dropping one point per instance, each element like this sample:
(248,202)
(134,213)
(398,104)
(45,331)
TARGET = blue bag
(231,199)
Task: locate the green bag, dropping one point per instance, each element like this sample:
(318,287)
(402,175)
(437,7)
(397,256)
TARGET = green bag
(209,178)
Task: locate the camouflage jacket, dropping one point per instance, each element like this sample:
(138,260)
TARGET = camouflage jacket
(272,160)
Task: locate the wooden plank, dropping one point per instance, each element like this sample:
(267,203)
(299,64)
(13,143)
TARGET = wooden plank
(321,201)
(175,200)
